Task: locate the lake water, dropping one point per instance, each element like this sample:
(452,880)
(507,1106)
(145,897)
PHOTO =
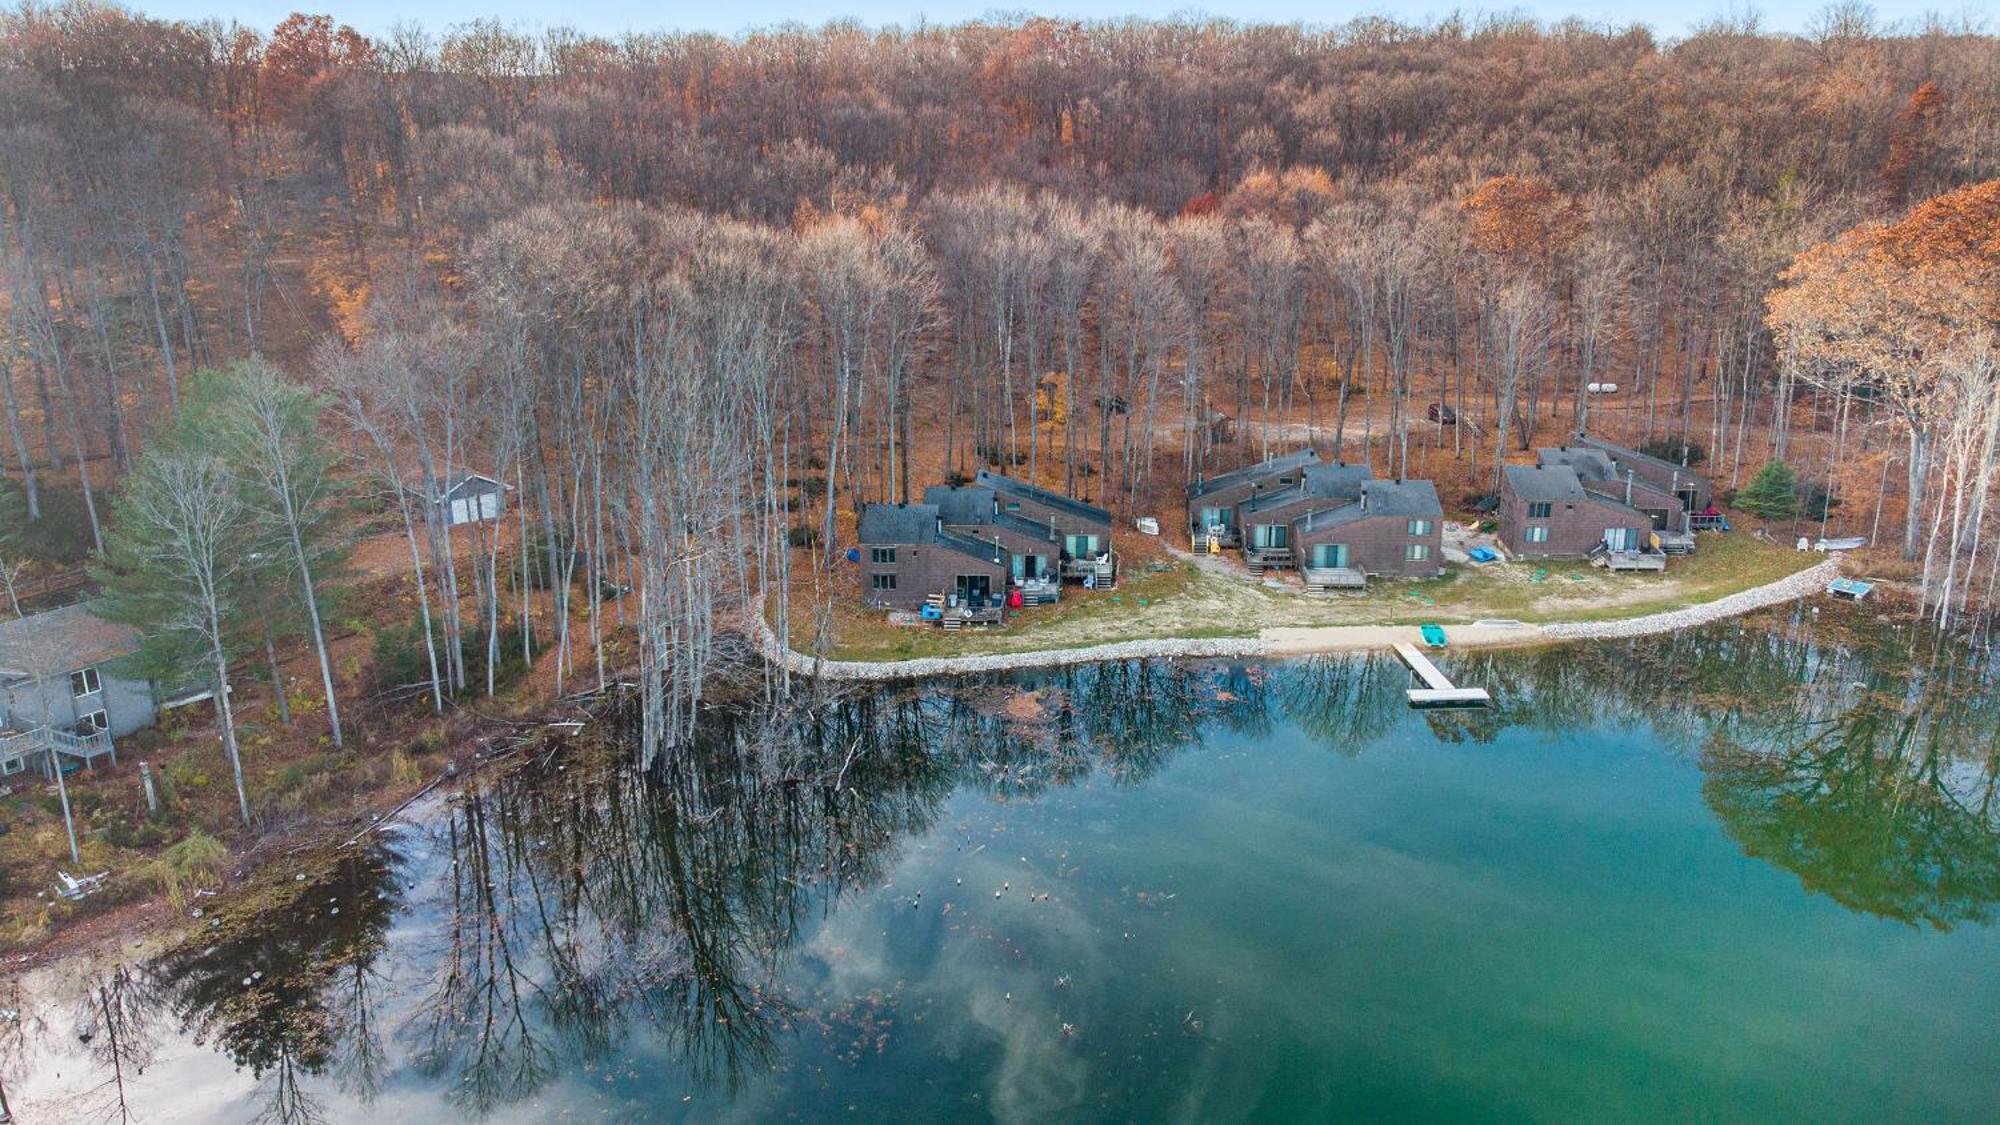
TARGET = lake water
(1743,873)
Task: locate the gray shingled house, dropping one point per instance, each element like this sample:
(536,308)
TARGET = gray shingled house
(1396,527)
(1035,547)
(1545,512)
(60,692)
(1212,501)
(1267,517)
(1688,486)
(907,554)
(1601,473)
(1084,529)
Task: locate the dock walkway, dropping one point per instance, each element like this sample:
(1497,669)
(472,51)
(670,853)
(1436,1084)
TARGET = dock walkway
(1438,690)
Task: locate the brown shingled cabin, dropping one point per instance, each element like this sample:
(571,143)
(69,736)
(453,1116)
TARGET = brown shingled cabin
(1545,512)
(1684,484)
(907,555)
(1267,517)
(1212,502)
(1396,528)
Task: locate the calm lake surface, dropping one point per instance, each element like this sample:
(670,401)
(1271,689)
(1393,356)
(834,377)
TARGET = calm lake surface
(1742,873)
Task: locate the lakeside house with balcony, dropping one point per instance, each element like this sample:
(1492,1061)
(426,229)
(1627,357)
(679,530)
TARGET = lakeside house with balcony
(1083,530)
(908,556)
(62,698)
(1212,502)
(1267,518)
(1546,512)
(1395,528)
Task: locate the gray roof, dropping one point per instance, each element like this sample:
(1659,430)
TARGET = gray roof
(916,524)
(71,637)
(1403,499)
(971,504)
(475,484)
(1622,453)
(899,523)
(1282,463)
(1544,483)
(1590,464)
(1338,481)
(1558,483)
(1056,500)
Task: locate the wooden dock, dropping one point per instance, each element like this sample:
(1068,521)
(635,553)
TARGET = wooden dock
(1437,691)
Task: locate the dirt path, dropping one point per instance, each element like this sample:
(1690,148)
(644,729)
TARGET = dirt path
(1297,641)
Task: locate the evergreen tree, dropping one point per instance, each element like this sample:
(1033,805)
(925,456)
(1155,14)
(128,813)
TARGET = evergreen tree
(1773,494)
(271,439)
(178,562)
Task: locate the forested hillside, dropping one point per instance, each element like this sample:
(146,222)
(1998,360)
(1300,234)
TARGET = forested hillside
(696,299)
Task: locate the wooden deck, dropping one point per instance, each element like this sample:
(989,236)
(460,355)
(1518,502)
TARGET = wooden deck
(1323,579)
(1438,690)
(1676,542)
(1261,559)
(1229,538)
(959,617)
(1103,575)
(1632,560)
(85,748)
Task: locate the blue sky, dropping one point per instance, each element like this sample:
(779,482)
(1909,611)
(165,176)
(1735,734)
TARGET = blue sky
(611,17)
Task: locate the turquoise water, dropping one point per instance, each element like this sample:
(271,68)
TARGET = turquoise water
(1745,874)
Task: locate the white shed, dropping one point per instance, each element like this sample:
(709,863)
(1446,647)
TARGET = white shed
(473,499)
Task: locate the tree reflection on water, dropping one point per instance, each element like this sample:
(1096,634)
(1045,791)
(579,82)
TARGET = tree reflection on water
(573,906)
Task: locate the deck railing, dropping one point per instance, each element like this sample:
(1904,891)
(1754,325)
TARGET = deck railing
(1260,557)
(88,747)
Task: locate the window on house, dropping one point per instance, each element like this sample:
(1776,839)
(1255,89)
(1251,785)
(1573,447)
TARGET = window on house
(1419,527)
(1540,511)
(883,581)
(1284,482)
(882,554)
(1538,535)
(94,722)
(1419,552)
(84,682)
(1080,546)
(13,765)
(1013,505)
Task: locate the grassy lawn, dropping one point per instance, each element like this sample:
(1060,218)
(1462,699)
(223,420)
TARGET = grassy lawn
(1182,600)
(867,635)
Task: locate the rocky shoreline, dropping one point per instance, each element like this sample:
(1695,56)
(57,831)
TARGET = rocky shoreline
(1330,639)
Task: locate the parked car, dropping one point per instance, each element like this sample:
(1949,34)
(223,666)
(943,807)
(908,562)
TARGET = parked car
(1439,412)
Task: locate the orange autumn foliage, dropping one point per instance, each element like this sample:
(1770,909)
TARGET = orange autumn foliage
(1522,219)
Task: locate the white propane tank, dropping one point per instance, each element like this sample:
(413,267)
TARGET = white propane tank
(1601,388)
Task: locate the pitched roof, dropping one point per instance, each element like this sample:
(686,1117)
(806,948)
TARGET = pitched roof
(1399,499)
(1628,455)
(1559,483)
(1338,481)
(1544,483)
(899,523)
(970,504)
(1590,464)
(1040,495)
(917,524)
(71,637)
(1284,462)
(476,484)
